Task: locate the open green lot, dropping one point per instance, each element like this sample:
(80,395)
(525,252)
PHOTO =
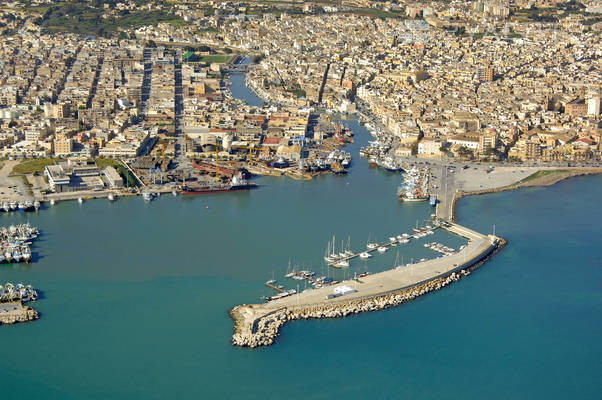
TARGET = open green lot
(32,166)
(91,19)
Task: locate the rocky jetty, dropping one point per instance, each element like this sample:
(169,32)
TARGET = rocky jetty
(264,330)
(13,312)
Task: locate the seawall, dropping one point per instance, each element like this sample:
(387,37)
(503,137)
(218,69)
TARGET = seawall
(547,180)
(264,330)
(258,324)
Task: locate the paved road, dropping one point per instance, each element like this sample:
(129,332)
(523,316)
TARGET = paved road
(146,81)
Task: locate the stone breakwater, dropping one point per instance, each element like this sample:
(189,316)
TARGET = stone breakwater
(13,312)
(265,329)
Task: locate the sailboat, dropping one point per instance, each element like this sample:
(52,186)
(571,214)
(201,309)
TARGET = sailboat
(342,254)
(371,245)
(289,273)
(348,252)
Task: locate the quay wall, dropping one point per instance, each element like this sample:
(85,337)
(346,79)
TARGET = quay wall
(263,331)
(543,181)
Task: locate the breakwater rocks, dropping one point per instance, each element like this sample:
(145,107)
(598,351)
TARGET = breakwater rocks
(265,329)
(13,312)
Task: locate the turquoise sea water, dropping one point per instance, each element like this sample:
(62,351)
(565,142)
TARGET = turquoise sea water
(136,297)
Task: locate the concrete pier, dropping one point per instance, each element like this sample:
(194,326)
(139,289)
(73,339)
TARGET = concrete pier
(14,311)
(255,323)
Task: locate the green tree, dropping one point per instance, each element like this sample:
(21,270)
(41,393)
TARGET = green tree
(414,147)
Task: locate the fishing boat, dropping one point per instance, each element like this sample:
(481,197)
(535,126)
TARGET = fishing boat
(26,252)
(280,163)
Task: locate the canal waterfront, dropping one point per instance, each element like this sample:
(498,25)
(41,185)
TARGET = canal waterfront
(136,297)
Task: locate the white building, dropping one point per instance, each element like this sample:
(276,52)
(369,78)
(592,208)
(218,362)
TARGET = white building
(429,148)
(593,106)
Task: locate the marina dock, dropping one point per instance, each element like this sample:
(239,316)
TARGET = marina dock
(335,263)
(255,323)
(268,284)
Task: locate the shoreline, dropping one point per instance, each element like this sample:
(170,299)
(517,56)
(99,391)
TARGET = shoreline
(553,178)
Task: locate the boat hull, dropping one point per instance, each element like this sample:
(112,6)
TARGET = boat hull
(238,188)
(415,199)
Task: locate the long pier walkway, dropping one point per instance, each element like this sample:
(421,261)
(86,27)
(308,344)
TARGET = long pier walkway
(479,247)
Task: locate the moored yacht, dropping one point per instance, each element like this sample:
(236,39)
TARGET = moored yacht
(26,252)
(17,256)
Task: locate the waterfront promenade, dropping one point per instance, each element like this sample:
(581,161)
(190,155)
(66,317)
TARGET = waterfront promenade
(399,279)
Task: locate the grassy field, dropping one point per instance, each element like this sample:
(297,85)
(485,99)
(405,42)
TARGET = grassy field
(543,174)
(31,166)
(83,18)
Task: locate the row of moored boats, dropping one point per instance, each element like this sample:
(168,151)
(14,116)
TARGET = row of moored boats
(10,292)
(415,185)
(24,205)
(15,241)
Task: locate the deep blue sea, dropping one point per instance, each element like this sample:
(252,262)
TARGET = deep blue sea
(136,297)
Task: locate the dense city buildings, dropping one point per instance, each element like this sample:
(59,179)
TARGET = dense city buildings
(484,80)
